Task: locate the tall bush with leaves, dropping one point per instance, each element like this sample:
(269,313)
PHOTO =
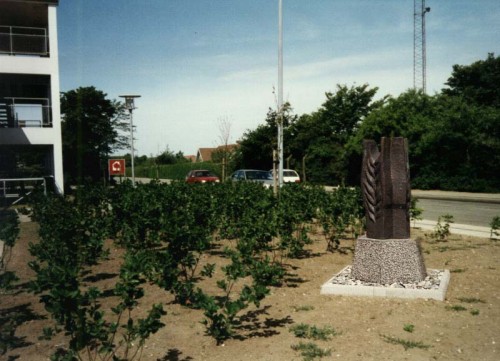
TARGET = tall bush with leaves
(495,226)
(221,310)
(183,222)
(72,234)
(94,335)
(9,231)
(166,231)
(296,209)
(415,211)
(171,232)
(341,209)
(442,230)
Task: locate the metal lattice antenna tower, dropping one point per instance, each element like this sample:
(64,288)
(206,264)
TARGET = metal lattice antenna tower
(419,54)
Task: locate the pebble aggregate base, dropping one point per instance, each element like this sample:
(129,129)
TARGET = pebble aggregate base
(387,261)
(434,286)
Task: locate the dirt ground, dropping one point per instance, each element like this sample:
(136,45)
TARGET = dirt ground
(364,325)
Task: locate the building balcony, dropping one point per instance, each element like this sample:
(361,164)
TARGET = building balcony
(21,40)
(25,112)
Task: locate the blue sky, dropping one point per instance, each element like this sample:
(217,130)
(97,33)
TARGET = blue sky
(195,62)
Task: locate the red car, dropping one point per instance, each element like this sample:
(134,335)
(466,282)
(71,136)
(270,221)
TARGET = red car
(201,176)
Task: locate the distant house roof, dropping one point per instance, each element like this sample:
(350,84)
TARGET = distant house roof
(191,158)
(205,154)
(230,147)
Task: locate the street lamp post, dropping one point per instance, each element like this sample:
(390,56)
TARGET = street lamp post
(280,92)
(129,105)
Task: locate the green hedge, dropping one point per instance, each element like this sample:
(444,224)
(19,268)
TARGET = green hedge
(174,171)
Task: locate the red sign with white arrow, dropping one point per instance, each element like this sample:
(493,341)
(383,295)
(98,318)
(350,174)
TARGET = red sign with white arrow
(116,166)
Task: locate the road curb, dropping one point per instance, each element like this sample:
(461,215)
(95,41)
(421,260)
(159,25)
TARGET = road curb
(463,229)
(457,196)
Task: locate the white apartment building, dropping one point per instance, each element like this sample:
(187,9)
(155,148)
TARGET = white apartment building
(30,117)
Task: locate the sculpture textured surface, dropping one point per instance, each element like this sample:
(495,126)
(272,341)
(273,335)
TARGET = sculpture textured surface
(386,188)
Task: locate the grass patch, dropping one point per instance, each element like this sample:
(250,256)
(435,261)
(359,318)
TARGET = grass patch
(458,270)
(303,308)
(407,344)
(455,248)
(303,330)
(409,327)
(310,351)
(471,300)
(474,312)
(456,308)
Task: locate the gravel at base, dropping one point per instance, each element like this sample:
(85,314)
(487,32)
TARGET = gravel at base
(432,281)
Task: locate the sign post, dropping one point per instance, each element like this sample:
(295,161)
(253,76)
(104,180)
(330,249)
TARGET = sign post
(116,167)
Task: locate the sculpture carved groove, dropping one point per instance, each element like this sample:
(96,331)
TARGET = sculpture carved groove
(370,173)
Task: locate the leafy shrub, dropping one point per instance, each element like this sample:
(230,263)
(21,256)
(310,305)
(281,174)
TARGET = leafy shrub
(442,230)
(495,226)
(184,221)
(409,328)
(407,344)
(415,212)
(9,228)
(303,330)
(9,231)
(310,351)
(165,230)
(72,233)
(339,210)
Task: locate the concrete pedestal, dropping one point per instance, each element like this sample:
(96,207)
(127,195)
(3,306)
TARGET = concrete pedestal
(387,261)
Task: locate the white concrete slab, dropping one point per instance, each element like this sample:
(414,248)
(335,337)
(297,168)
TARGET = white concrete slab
(330,288)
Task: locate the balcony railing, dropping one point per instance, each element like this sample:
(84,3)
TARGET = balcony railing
(25,112)
(21,40)
(21,187)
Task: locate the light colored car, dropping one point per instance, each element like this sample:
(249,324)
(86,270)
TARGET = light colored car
(289,176)
(254,175)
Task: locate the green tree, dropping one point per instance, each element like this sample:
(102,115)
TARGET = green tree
(314,142)
(169,157)
(461,150)
(453,144)
(478,82)
(256,146)
(344,110)
(91,126)
(323,136)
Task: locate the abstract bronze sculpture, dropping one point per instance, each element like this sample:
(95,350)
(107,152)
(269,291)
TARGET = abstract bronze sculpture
(386,189)
(387,254)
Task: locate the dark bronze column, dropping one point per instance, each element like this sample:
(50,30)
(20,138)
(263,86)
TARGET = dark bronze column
(386,188)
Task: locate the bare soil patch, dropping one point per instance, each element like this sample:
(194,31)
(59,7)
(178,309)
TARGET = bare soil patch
(369,328)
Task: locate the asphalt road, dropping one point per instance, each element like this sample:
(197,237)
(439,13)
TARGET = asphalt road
(473,213)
